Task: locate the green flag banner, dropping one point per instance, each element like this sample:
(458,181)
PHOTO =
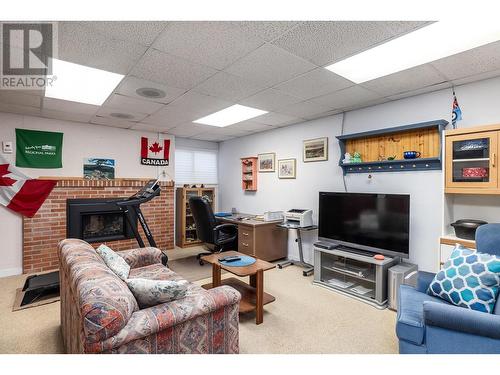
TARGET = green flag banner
(38,149)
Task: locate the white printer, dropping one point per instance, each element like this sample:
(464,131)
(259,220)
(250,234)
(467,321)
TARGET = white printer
(299,217)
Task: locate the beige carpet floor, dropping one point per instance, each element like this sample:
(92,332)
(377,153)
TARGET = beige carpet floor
(303,319)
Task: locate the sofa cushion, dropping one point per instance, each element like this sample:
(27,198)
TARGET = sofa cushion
(410,322)
(468,279)
(154,292)
(105,303)
(115,262)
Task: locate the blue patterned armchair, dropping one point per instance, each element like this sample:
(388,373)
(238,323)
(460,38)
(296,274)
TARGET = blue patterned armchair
(427,324)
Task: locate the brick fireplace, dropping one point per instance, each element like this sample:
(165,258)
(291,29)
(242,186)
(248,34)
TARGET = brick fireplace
(42,233)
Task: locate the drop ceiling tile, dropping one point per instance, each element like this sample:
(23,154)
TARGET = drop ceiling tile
(439,86)
(20,98)
(189,129)
(247,126)
(171,70)
(19,109)
(228,86)
(212,137)
(66,116)
(143,32)
(109,121)
(275,119)
(129,86)
(314,83)
(190,106)
(126,104)
(476,77)
(59,105)
(329,41)
(109,112)
(270,65)
(216,44)
(267,30)
(148,128)
(323,114)
(84,46)
(351,96)
(303,109)
(269,100)
(475,61)
(406,80)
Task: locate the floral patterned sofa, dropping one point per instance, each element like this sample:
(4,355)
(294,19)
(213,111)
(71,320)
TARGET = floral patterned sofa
(99,314)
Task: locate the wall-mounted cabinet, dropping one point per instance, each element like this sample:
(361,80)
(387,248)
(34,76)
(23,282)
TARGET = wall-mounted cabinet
(471,160)
(376,147)
(249,173)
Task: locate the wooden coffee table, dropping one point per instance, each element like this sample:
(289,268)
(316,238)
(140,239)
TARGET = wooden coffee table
(253,296)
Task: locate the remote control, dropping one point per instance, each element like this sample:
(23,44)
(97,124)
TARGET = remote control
(229,259)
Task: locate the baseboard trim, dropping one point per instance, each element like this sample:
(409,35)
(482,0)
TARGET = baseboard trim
(10,272)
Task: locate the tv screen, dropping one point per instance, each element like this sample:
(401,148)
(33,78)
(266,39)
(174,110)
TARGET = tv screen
(373,222)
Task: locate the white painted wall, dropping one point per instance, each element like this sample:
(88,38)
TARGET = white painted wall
(80,141)
(479,103)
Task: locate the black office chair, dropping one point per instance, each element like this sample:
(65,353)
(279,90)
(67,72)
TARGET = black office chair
(217,237)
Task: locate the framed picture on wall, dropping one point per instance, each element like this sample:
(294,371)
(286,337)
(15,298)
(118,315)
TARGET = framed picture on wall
(266,162)
(287,168)
(316,149)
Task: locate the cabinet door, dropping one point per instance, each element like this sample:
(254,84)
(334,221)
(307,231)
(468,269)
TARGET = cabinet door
(471,160)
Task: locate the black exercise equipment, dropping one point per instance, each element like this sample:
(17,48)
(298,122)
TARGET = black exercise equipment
(131,206)
(37,287)
(221,237)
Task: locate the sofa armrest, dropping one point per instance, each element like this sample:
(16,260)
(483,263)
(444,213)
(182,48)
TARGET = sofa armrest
(154,319)
(424,279)
(462,319)
(143,256)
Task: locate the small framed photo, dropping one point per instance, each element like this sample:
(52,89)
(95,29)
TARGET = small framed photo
(287,168)
(316,149)
(267,162)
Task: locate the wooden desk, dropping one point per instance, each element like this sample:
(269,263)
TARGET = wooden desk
(260,239)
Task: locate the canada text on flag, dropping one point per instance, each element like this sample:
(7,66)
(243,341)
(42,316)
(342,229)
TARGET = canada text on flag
(155,152)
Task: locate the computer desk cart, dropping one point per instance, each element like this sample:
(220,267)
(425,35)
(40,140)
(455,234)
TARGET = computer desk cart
(355,275)
(308,268)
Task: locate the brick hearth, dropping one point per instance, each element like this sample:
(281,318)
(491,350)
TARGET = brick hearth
(42,233)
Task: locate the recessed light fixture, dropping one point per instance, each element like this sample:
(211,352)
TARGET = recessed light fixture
(82,84)
(429,43)
(230,115)
(151,93)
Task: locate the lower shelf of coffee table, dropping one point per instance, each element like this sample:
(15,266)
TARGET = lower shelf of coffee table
(248,294)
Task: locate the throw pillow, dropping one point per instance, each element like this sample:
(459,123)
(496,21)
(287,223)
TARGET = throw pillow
(468,279)
(153,292)
(115,262)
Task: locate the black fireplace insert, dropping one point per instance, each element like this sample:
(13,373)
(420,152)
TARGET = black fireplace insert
(97,220)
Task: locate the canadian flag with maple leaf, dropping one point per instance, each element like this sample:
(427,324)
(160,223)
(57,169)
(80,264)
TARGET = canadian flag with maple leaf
(21,193)
(155,152)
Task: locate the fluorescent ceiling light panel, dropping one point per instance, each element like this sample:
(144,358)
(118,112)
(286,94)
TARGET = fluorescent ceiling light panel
(230,115)
(429,43)
(79,83)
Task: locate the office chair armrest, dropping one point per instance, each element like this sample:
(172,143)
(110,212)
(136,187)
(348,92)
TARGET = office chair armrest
(221,228)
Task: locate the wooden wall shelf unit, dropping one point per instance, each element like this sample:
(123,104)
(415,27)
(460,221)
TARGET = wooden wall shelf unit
(472,160)
(185,227)
(249,173)
(424,137)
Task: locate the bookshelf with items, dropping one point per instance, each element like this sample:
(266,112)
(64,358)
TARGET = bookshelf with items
(249,173)
(185,226)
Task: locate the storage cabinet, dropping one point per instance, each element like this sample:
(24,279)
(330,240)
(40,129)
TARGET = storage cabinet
(185,227)
(471,160)
(249,173)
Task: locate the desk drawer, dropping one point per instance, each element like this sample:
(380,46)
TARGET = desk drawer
(245,240)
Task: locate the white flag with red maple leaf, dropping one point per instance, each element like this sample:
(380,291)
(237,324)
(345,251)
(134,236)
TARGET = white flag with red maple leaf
(20,193)
(155,152)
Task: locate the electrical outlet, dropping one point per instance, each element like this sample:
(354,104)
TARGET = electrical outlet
(7,147)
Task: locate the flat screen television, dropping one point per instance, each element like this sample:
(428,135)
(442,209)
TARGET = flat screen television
(378,223)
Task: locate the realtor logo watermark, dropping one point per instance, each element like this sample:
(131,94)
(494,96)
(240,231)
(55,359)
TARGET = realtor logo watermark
(27,52)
